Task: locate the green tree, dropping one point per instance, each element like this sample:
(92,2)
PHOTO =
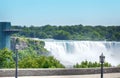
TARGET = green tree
(6,59)
(28,62)
(75,32)
(62,35)
(86,64)
(40,62)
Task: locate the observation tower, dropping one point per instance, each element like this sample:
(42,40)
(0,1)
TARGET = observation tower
(5,32)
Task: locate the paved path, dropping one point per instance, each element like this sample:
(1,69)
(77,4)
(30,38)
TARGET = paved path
(109,75)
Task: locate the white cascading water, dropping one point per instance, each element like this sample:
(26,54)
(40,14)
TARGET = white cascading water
(71,52)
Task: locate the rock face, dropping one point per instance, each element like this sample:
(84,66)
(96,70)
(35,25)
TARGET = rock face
(21,44)
(28,44)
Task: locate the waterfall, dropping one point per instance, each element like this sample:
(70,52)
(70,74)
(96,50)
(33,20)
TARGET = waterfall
(71,52)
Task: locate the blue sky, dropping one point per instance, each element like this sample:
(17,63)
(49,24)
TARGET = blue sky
(60,12)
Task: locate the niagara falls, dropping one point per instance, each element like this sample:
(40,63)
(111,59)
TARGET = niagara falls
(70,52)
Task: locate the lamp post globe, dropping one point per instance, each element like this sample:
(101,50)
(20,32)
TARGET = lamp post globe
(102,58)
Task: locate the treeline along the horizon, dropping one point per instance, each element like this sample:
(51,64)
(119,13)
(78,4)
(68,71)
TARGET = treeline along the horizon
(74,32)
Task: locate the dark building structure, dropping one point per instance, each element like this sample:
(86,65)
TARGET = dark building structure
(5,32)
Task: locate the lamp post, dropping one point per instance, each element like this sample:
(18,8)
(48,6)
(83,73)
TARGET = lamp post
(102,59)
(16,60)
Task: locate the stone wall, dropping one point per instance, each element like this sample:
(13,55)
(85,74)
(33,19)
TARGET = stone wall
(44,72)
